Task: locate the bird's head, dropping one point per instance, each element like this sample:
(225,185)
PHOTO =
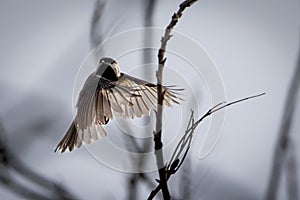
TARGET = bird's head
(109,69)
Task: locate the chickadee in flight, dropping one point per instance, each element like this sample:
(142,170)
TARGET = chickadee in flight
(107,93)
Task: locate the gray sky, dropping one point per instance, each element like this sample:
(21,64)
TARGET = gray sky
(254,45)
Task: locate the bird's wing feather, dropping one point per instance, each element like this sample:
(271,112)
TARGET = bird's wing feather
(145,98)
(100,100)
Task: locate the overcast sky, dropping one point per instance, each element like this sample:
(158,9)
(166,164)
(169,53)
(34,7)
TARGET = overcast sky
(253,44)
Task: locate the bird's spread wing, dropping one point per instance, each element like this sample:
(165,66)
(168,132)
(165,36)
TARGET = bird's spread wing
(100,100)
(145,98)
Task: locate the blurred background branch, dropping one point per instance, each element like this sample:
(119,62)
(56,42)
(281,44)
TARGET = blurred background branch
(95,35)
(42,45)
(137,178)
(12,168)
(292,172)
(285,143)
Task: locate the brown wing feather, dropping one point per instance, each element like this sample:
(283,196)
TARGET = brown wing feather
(101,99)
(146,95)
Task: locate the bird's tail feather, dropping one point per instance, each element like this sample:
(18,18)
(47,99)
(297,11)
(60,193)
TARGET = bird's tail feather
(70,140)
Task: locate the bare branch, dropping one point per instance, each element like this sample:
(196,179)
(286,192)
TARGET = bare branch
(160,94)
(185,142)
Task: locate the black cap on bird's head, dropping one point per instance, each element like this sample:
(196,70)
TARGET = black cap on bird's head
(109,69)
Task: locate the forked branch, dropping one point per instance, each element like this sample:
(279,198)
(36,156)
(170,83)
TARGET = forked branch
(160,94)
(184,144)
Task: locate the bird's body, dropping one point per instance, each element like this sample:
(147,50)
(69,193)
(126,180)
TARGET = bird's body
(107,93)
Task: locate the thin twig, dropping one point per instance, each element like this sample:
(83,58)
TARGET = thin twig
(185,142)
(160,94)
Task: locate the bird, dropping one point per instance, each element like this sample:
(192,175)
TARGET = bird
(109,93)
